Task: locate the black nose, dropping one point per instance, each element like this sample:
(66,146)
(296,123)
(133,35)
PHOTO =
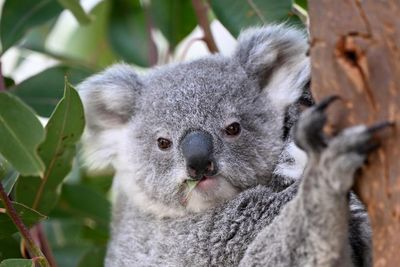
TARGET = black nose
(197,149)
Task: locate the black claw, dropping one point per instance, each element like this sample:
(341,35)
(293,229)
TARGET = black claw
(367,148)
(326,102)
(379,126)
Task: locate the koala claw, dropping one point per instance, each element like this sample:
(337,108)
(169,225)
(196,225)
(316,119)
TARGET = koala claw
(321,106)
(308,131)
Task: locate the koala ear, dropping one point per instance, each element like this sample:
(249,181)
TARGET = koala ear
(109,99)
(275,56)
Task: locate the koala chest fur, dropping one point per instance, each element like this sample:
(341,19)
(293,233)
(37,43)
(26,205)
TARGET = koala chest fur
(224,124)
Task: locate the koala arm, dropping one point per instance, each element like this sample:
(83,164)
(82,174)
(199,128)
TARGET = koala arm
(313,229)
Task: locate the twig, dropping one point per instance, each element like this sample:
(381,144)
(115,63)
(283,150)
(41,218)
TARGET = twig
(301,13)
(2,84)
(153,55)
(187,47)
(34,250)
(201,10)
(40,237)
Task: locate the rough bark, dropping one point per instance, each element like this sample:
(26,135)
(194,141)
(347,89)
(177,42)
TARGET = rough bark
(355,52)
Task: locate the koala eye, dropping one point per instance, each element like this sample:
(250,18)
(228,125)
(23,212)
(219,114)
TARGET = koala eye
(233,129)
(163,143)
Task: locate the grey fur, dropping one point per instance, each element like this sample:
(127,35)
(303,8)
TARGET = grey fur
(252,215)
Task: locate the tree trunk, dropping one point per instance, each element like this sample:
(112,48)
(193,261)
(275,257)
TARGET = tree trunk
(355,52)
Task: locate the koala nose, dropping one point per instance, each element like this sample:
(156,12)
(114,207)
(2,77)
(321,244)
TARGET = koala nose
(197,149)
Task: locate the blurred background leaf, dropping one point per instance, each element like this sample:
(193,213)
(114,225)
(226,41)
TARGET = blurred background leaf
(17,263)
(18,16)
(129,34)
(237,15)
(175,19)
(77,10)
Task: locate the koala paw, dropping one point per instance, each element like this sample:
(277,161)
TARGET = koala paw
(336,158)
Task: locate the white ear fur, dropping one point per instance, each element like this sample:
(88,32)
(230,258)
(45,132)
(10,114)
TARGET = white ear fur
(109,100)
(276,57)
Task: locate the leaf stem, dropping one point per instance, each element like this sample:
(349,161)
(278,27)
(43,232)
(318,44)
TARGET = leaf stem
(34,250)
(201,9)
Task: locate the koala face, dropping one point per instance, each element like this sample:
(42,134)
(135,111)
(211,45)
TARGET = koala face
(216,120)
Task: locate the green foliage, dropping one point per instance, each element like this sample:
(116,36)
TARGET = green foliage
(19,16)
(175,19)
(17,263)
(43,91)
(64,129)
(128,19)
(77,10)
(29,216)
(236,15)
(16,119)
(40,169)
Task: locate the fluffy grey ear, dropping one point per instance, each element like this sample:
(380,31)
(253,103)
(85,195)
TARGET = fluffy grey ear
(109,100)
(275,56)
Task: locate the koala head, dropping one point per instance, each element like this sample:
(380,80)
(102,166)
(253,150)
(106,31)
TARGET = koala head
(219,120)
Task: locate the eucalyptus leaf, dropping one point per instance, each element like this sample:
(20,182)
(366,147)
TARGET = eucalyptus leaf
(175,18)
(128,33)
(90,44)
(17,263)
(44,90)
(29,217)
(84,202)
(19,16)
(93,258)
(9,248)
(77,10)
(191,185)
(64,129)
(236,15)
(16,145)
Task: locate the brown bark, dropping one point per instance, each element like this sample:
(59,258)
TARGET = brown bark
(355,52)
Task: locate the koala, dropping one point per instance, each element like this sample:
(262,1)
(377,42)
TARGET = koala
(270,188)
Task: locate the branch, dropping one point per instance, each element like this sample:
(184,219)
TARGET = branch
(201,10)
(34,250)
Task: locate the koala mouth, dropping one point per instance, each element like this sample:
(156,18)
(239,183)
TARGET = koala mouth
(204,184)
(207,182)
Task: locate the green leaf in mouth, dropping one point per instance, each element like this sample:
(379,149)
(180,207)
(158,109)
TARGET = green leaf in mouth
(191,185)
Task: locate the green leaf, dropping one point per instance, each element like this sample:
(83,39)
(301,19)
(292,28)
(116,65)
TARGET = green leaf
(77,10)
(21,133)
(85,203)
(17,263)
(8,175)
(128,34)
(29,216)
(90,44)
(93,258)
(9,248)
(64,236)
(43,91)
(36,38)
(302,3)
(175,18)
(236,15)
(19,16)
(64,129)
